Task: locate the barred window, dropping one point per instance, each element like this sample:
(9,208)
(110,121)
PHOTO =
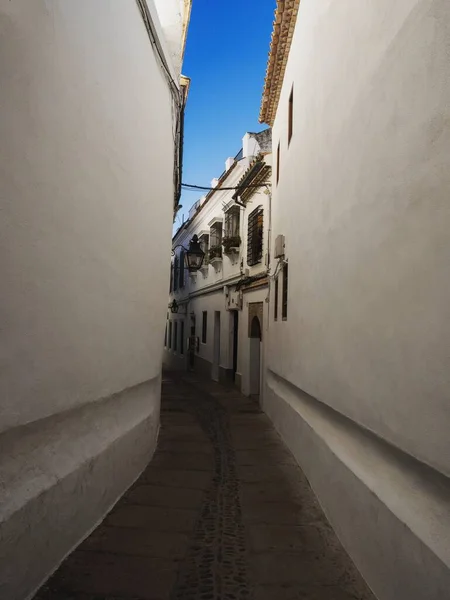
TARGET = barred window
(232,222)
(204,245)
(175,274)
(255,236)
(216,235)
(181,281)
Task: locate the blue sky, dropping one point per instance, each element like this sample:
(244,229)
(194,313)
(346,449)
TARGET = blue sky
(226,56)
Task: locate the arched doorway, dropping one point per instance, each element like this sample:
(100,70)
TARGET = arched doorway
(255,356)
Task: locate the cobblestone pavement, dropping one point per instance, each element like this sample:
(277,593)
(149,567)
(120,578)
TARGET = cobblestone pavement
(221,512)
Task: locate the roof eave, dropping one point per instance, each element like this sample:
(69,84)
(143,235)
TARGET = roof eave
(280,45)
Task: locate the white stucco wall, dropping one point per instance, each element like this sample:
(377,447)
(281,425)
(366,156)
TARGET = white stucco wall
(171,15)
(86,190)
(363,203)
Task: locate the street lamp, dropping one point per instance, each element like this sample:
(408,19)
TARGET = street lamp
(173,306)
(194,255)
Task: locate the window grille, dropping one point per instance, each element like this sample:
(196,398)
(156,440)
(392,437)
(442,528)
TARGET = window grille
(255,236)
(232,222)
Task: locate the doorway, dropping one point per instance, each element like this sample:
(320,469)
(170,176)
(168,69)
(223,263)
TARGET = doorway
(255,356)
(216,349)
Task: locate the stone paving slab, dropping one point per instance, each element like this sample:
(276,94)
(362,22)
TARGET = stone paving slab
(222,512)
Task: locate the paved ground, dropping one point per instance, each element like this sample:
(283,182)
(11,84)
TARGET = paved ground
(222,512)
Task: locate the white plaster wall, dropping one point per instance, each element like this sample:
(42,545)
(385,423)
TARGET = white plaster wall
(171,14)
(86,191)
(363,203)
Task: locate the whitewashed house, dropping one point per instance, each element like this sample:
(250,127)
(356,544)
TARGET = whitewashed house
(218,328)
(90,125)
(357,351)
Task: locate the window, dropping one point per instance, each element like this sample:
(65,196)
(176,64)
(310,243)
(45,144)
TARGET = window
(215,241)
(278,163)
(255,236)
(182,337)
(232,222)
(175,337)
(181,280)
(170,335)
(204,244)
(204,326)
(171,279)
(175,274)
(291,115)
(275,310)
(165,337)
(285,292)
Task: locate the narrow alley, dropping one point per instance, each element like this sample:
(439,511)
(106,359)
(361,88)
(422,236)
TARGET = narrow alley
(221,512)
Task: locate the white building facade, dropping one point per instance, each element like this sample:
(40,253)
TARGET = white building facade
(219,327)
(90,125)
(358,363)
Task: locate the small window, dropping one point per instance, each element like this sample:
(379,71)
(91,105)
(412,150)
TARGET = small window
(175,337)
(275,310)
(285,292)
(278,163)
(204,327)
(182,337)
(255,236)
(170,335)
(291,115)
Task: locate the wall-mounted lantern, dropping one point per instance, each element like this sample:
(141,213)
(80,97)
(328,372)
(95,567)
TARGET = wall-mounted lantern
(194,255)
(173,306)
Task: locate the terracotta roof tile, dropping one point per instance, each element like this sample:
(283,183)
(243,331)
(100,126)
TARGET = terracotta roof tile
(283,30)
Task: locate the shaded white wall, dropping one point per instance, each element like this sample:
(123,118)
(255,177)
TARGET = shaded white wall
(171,14)
(86,190)
(363,203)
